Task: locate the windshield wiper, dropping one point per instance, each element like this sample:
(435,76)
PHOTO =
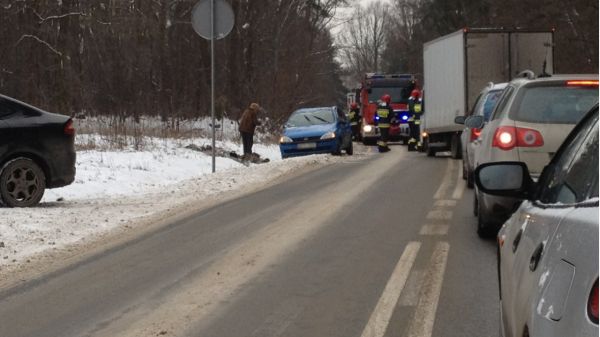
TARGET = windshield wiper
(308,119)
(321,119)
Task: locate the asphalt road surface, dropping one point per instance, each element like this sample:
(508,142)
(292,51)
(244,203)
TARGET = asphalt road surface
(383,246)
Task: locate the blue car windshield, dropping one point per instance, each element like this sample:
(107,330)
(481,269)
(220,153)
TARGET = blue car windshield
(490,103)
(311,117)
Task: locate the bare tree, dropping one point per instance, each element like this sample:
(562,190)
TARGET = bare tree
(363,39)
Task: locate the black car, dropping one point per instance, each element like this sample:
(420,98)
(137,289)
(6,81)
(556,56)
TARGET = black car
(37,151)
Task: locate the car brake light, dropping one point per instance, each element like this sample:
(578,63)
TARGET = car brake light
(505,138)
(583,83)
(69,129)
(508,137)
(593,303)
(475,133)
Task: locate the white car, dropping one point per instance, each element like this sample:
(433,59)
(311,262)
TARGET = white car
(531,120)
(548,249)
(484,105)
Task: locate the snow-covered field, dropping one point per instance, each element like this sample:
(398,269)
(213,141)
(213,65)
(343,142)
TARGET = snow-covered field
(120,190)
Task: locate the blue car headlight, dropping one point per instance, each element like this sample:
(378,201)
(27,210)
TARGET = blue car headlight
(328,135)
(285,139)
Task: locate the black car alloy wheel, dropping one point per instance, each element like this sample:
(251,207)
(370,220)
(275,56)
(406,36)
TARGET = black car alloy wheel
(22,183)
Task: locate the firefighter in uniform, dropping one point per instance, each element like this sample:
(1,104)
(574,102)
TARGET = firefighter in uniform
(354,118)
(383,119)
(415,106)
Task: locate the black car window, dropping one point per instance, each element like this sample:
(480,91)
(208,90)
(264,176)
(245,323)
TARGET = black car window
(6,108)
(506,96)
(572,176)
(15,108)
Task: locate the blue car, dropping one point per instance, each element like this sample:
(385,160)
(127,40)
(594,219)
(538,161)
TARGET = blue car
(314,131)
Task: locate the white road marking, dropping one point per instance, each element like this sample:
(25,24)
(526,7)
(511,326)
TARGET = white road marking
(444,203)
(434,230)
(445,181)
(439,214)
(410,294)
(460,186)
(382,313)
(424,315)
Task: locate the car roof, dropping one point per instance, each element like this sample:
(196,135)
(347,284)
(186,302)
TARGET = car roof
(554,78)
(499,86)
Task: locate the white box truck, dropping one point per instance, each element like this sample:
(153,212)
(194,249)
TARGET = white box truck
(457,66)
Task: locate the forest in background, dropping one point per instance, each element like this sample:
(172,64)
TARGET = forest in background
(141,57)
(389,37)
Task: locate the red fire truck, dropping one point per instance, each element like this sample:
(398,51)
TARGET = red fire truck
(373,87)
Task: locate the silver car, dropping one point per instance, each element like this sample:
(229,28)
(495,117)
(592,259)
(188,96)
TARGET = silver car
(531,120)
(548,249)
(469,138)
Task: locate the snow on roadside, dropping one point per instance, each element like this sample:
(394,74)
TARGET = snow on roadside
(114,189)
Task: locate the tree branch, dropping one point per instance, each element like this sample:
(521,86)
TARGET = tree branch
(25,36)
(56,17)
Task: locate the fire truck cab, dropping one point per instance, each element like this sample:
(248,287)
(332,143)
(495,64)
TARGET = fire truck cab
(373,87)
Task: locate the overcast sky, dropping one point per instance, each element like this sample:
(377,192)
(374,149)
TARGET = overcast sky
(366,2)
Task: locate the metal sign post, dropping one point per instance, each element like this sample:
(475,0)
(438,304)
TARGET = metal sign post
(212,19)
(212,82)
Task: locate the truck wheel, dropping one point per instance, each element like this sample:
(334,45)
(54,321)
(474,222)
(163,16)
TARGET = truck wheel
(430,152)
(22,183)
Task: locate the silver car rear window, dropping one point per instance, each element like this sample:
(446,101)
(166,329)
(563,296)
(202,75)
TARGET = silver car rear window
(553,104)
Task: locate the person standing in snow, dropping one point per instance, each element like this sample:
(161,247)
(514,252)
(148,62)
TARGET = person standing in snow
(248,123)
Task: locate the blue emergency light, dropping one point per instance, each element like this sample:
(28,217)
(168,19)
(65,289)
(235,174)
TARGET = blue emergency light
(404,116)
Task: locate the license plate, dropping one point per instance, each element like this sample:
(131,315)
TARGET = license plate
(304,146)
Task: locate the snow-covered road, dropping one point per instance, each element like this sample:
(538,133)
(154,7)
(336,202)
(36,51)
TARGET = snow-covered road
(117,192)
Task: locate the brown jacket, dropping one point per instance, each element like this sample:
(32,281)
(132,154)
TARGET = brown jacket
(249,120)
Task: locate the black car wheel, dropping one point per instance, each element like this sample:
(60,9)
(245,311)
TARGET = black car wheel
(22,183)
(455,149)
(338,149)
(484,229)
(470,180)
(350,149)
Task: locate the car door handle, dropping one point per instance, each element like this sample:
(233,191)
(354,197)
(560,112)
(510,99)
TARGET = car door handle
(535,257)
(517,240)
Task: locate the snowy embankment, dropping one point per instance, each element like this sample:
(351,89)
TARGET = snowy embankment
(122,190)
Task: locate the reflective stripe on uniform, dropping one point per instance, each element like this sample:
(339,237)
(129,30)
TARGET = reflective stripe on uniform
(383,125)
(417,108)
(383,113)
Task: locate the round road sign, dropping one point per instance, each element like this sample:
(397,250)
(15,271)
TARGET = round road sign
(224,19)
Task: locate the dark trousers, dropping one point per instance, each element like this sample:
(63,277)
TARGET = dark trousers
(355,131)
(247,140)
(383,139)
